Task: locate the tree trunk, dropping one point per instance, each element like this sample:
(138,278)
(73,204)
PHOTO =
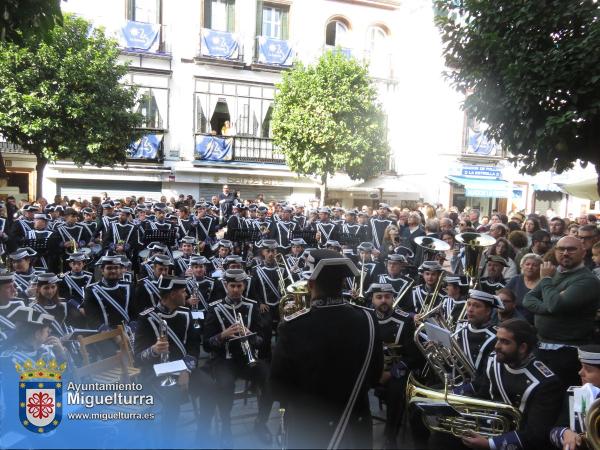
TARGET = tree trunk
(323,189)
(3,172)
(39,168)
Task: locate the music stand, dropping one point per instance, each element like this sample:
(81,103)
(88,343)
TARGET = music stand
(167,237)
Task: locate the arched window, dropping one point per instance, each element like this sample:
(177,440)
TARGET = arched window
(336,33)
(377,40)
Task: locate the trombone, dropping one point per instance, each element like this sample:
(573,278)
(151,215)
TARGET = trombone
(280,261)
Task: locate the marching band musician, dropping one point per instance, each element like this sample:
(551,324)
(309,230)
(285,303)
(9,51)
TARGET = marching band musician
(47,301)
(397,330)
(108,302)
(367,261)
(494,280)
(70,232)
(380,223)
(223,249)
(108,217)
(167,329)
(324,229)
(562,436)
(267,279)
(514,376)
(123,237)
(228,319)
(430,272)
(351,229)
(46,256)
(294,259)
(24,274)
(199,283)
(9,303)
(160,214)
(393,276)
(231,262)
(141,219)
(185,225)
(457,288)
(182,263)
(329,337)
(154,248)
(299,218)
(284,229)
(73,283)
(147,294)
(4,237)
(22,226)
(206,226)
(32,339)
(89,223)
(477,336)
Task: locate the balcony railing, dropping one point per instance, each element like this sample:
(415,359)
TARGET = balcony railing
(253,149)
(236,149)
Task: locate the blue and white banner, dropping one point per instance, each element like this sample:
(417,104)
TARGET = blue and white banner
(219,44)
(140,35)
(274,51)
(147,147)
(213,148)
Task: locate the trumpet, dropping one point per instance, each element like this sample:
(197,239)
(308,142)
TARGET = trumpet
(169,380)
(244,342)
(73,248)
(196,292)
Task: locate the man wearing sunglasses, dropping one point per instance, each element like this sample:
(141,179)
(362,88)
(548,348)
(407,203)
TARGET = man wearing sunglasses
(564,303)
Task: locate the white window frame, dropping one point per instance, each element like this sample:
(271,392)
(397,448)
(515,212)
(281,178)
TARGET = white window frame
(272,17)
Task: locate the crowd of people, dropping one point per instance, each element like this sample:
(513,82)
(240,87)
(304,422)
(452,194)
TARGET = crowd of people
(316,308)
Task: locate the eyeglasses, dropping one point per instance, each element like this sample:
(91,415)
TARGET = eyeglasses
(566,249)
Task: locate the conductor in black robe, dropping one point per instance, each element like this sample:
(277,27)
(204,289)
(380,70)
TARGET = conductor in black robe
(326,359)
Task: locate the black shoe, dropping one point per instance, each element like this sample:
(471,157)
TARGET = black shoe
(262,433)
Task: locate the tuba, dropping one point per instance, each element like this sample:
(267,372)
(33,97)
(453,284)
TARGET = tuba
(484,417)
(592,426)
(295,302)
(475,244)
(441,359)
(430,247)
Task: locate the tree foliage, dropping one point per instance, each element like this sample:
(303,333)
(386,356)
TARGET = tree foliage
(531,70)
(62,99)
(326,119)
(27,19)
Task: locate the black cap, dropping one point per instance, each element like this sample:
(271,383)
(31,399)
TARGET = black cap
(329,264)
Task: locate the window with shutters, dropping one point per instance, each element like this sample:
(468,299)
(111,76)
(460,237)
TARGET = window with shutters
(219,15)
(272,20)
(337,33)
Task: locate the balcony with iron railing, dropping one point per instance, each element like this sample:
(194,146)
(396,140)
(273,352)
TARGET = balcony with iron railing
(237,148)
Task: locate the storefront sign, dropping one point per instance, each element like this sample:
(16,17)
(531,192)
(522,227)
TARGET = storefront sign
(254,181)
(481,171)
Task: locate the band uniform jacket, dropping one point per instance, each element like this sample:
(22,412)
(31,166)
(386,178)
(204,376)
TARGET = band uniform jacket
(533,389)
(108,306)
(72,286)
(220,316)
(398,283)
(316,363)
(9,314)
(491,286)
(328,231)
(204,288)
(476,343)
(184,341)
(413,300)
(399,328)
(146,295)
(265,284)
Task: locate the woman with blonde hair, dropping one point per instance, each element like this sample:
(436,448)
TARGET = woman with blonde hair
(391,240)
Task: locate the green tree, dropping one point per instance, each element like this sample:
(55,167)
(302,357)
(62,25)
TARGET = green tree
(531,71)
(326,120)
(62,99)
(23,19)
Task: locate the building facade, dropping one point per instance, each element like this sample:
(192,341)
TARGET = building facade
(206,71)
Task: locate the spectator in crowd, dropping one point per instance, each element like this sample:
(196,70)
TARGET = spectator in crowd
(510,310)
(573,229)
(503,248)
(557,229)
(530,226)
(525,281)
(540,244)
(564,303)
(589,235)
(474,218)
(596,259)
